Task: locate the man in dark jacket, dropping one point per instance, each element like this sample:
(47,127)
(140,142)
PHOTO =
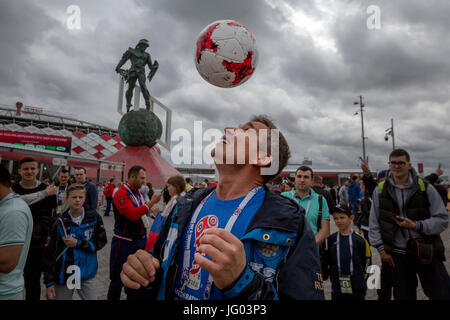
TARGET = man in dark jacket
(42,214)
(260,245)
(91,202)
(406,215)
(354,194)
(318,188)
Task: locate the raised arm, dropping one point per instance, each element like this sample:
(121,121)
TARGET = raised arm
(31,198)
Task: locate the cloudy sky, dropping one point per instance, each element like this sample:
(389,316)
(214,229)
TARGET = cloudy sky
(315,59)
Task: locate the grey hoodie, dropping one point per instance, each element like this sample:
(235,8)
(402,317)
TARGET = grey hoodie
(436,224)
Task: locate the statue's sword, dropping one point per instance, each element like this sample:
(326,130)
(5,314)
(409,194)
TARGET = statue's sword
(153,71)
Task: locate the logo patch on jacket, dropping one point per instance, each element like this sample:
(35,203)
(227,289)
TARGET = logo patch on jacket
(121,200)
(268,250)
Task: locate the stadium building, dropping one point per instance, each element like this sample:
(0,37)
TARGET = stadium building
(58,140)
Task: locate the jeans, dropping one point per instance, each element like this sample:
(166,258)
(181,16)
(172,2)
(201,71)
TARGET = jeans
(354,206)
(108,205)
(433,277)
(386,282)
(32,274)
(88,290)
(120,250)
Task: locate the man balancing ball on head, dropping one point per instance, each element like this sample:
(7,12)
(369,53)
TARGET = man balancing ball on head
(237,240)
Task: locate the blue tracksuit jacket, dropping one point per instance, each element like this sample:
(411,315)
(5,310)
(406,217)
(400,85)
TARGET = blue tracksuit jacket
(279,225)
(91,236)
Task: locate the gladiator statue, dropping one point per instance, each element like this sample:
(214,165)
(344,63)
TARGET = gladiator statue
(138,58)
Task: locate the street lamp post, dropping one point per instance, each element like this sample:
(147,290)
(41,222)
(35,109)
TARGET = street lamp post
(390,132)
(361,105)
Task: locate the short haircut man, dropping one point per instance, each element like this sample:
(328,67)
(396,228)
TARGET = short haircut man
(317,180)
(16,225)
(305,168)
(42,214)
(400,153)
(26,160)
(81,168)
(130,233)
(313,201)
(134,171)
(402,236)
(284,151)
(239,269)
(91,201)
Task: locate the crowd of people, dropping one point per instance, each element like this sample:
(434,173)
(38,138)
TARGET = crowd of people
(241,237)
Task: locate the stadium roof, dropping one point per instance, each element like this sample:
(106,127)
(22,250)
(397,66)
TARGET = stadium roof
(53,120)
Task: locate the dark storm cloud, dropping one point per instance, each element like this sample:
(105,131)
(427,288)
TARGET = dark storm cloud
(387,60)
(311,69)
(19,29)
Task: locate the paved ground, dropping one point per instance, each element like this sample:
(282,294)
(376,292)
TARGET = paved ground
(103,261)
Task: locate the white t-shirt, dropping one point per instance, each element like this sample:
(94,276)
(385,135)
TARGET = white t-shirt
(79,219)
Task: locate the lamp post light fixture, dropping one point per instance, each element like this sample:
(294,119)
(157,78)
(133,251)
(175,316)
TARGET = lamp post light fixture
(361,105)
(390,132)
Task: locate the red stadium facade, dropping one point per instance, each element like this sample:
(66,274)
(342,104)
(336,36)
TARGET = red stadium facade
(59,140)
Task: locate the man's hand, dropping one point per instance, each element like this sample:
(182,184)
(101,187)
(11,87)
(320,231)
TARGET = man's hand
(50,293)
(155,210)
(365,166)
(227,254)
(439,171)
(70,242)
(139,270)
(51,190)
(406,223)
(385,257)
(154,200)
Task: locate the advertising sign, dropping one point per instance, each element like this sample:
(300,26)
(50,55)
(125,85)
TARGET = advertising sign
(36,141)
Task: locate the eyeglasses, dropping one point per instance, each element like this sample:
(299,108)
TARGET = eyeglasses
(398,163)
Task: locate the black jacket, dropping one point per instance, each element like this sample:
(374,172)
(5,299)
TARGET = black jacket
(327,196)
(41,212)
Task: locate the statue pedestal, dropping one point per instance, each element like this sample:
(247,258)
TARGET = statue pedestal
(157,170)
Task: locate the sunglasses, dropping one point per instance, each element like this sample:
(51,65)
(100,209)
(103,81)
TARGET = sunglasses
(398,163)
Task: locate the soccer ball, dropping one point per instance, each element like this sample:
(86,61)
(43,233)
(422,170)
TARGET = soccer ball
(226,54)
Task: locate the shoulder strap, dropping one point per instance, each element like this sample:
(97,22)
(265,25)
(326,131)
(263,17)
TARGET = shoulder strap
(319,216)
(422,185)
(380,187)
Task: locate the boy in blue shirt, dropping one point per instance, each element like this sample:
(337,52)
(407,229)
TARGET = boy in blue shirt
(348,256)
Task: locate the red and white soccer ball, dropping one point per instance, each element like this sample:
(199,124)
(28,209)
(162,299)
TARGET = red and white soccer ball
(226,53)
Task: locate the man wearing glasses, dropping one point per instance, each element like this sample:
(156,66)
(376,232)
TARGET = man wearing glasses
(406,219)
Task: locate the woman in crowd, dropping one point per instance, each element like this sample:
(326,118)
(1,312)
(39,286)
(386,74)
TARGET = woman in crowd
(175,187)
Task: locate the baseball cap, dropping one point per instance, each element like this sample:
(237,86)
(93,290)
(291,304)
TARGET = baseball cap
(382,174)
(341,208)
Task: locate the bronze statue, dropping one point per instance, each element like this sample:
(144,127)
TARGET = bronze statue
(138,58)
